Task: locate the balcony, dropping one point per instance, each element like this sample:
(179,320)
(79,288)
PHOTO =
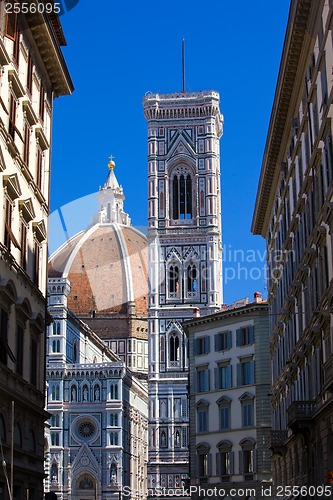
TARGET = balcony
(277,444)
(328,374)
(300,415)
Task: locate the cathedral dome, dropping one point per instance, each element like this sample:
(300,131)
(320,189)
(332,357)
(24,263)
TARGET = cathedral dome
(107,263)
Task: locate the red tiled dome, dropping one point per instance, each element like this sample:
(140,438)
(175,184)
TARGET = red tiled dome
(107,268)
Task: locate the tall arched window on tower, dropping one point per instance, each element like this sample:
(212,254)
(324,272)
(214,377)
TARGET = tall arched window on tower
(192,280)
(182,196)
(174,349)
(173,281)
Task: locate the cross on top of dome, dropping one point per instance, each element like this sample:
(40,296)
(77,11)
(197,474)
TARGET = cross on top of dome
(111,163)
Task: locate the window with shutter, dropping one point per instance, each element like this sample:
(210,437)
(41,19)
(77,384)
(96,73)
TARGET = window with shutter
(248,413)
(36,263)
(222,341)
(41,103)
(223,377)
(26,151)
(39,167)
(23,245)
(29,75)
(203,380)
(202,345)
(202,416)
(3,335)
(19,349)
(12,117)
(8,223)
(224,418)
(203,465)
(246,372)
(11,26)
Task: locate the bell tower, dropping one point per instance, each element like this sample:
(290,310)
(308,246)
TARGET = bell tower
(185,261)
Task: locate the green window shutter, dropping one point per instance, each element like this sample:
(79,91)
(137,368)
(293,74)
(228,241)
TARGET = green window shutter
(216,341)
(255,460)
(195,347)
(232,462)
(252,373)
(240,458)
(218,464)
(251,334)
(207,344)
(216,378)
(229,337)
(230,375)
(238,337)
(239,374)
(209,464)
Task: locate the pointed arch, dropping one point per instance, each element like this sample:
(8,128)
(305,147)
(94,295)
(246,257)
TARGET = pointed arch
(182,191)
(174,347)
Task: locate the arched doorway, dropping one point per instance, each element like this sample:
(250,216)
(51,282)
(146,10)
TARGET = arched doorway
(85,487)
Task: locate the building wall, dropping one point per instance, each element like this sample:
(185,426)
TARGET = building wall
(28,87)
(294,213)
(184,220)
(230,417)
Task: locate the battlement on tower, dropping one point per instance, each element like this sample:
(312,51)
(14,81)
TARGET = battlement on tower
(181,105)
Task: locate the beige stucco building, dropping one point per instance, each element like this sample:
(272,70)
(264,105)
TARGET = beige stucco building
(229,383)
(33,73)
(294,214)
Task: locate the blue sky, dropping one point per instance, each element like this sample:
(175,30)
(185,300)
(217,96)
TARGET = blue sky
(117,51)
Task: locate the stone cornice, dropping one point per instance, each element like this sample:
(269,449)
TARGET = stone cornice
(47,42)
(254,309)
(293,44)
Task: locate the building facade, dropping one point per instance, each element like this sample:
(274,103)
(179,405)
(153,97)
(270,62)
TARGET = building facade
(229,385)
(184,236)
(99,412)
(107,266)
(33,73)
(294,214)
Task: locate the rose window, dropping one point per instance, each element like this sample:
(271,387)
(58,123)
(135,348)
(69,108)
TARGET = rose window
(86,429)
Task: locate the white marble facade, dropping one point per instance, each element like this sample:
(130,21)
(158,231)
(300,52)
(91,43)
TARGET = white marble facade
(184,222)
(98,433)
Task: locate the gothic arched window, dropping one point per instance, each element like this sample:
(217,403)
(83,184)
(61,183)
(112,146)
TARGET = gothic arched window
(174,347)
(173,279)
(182,196)
(192,278)
(114,391)
(55,392)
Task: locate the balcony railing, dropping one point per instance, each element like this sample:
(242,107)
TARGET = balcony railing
(278,438)
(300,413)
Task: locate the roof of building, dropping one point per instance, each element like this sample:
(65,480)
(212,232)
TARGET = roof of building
(107,264)
(227,311)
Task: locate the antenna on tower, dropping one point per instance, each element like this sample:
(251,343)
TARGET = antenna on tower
(183,65)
